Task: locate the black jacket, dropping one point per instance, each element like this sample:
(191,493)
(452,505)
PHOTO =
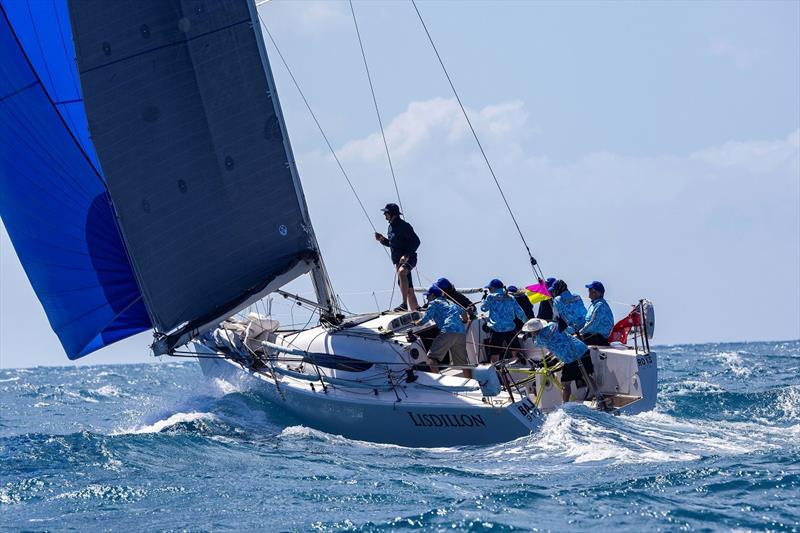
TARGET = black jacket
(545,310)
(461,300)
(401,238)
(525,304)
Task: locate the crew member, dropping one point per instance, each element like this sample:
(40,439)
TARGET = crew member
(566,348)
(403,242)
(456,297)
(569,308)
(599,318)
(501,309)
(522,300)
(452,335)
(546,307)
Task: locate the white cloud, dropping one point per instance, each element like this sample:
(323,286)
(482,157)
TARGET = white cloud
(667,227)
(757,156)
(428,121)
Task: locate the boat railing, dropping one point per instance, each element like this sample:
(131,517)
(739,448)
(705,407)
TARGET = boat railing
(641,340)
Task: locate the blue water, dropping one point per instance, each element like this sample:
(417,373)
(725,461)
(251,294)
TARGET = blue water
(157,447)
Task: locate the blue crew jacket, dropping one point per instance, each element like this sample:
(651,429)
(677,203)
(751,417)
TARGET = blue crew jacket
(599,319)
(502,310)
(564,347)
(446,315)
(571,309)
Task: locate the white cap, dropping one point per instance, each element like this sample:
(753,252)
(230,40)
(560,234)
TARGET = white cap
(534,324)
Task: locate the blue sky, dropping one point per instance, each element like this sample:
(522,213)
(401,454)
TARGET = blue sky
(654,146)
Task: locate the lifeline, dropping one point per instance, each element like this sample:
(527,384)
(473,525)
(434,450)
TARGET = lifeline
(447,420)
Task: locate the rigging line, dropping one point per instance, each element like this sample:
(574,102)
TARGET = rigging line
(377,110)
(21,89)
(72,101)
(38,78)
(69,59)
(477,140)
(319,127)
(44,60)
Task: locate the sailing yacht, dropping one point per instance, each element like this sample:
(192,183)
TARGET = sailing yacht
(148,182)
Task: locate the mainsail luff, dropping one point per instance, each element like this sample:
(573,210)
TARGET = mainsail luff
(195,156)
(319,274)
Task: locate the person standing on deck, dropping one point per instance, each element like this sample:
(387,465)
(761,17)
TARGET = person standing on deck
(568,307)
(403,242)
(522,300)
(599,318)
(452,336)
(456,297)
(545,310)
(502,309)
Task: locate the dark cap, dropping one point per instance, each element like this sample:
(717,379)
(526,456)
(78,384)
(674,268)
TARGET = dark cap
(596,285)
(433,291)
(392,209)
(495,284)
(444,284)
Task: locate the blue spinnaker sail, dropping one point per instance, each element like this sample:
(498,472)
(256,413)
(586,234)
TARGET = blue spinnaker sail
(53,201)
(43,30)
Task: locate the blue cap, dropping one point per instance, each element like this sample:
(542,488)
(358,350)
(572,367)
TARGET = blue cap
(550,282)
(495,284)
(443,283)
(433,290)
(596,285)
(512,288)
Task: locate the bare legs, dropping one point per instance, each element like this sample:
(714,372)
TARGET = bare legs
(407,292)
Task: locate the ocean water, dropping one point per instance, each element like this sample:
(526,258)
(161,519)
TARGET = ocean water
(157,447)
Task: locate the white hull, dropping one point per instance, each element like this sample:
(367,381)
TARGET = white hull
(381,418)
(379,405)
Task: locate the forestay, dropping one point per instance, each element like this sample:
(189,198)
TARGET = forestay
(193,151)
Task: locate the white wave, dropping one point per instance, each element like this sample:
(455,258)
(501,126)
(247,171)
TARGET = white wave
(15,378)
(107,492)
(302,432)
(577,435)
(584,440)
(692,386)
(735,363)
(107,391)
(789,403)
(713,436)
(78,396)
(161,425)
(305,432)
(223,387)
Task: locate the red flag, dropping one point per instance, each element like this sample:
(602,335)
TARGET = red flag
(622,328)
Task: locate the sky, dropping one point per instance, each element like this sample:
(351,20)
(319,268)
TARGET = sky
(653,146)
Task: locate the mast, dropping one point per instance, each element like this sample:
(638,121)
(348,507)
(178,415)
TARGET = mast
(319,274)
